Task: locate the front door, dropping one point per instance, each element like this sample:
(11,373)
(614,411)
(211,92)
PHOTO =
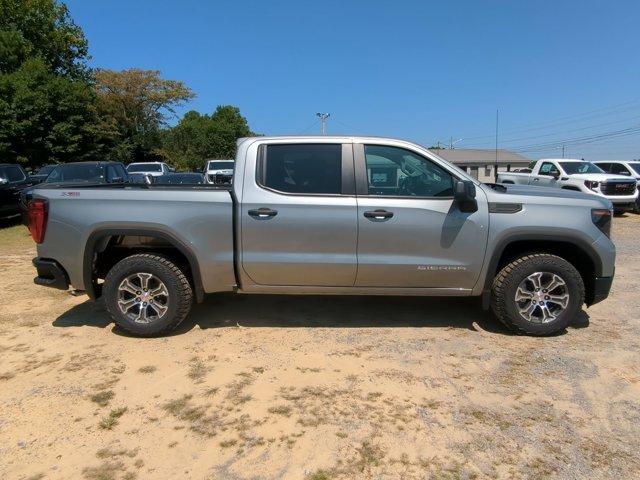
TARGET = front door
(298,216)
(411,233)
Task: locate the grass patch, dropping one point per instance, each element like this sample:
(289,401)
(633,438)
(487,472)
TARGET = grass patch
(147,369)
(228,443)
(113,452)
(111,420)
(320,475)
(102,398)
(197,370)
(283,410)
(106,471)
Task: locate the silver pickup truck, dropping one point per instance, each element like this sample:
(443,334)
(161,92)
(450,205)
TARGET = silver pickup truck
(326,215)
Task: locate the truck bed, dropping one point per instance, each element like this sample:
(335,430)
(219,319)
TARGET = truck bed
(198,217)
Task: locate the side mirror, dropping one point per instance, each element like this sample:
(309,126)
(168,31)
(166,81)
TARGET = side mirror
(3,181)
(464,193)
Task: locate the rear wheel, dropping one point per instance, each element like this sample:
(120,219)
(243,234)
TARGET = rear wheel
(147,295)
(537,294)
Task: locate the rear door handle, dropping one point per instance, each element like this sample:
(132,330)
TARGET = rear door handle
(378,215)
(263,213)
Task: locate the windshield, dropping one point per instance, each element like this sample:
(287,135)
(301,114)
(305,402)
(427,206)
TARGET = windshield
(46,170)
(220,166)
(76,173)
(144,167)
(635,166)
(580,167)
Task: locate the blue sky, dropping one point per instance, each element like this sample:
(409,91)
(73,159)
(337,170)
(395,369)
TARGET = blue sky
(420,70)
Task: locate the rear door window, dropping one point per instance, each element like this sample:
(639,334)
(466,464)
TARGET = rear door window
(548,168)
(302,168)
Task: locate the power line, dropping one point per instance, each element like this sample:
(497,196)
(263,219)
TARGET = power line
(563,120)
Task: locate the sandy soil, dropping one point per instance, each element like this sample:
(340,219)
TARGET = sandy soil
(268,387)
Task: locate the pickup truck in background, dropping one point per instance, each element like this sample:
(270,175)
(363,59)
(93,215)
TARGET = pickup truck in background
(326,215)
(626,168)
(219,171)
(578,175)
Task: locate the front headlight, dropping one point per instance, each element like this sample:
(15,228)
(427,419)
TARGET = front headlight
(592,184)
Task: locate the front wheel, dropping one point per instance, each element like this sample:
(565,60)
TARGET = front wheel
(147,295)
(537,294)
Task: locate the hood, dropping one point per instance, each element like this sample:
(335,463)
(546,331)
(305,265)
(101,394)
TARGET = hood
(600,177)
(549,195)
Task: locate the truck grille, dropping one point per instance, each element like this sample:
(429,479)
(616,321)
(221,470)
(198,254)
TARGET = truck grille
(618,188)
(220,178)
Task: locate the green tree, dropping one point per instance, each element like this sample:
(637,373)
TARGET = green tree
(47,107)
(45,118)
(41,29)
(198,137)
(136,104)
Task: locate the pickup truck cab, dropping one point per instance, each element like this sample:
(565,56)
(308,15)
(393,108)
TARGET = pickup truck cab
(327,215)
(578,175)
(626,168)
(150,168)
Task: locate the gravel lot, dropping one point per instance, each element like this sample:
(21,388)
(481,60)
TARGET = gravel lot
(316,387)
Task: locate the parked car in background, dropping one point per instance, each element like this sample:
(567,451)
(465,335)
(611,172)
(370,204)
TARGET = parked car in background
(152,168)
(578,175)
(327,215)
(180,179)
(13,180)
(42,173)
(140,178)
(219,171)
(627,168)
(78,173)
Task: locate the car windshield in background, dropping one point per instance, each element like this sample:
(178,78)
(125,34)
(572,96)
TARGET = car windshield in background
(635,166)
(76,173)
(12,173)
(46,170)
(221,165)
(144,167)
(580,167)
(180,179)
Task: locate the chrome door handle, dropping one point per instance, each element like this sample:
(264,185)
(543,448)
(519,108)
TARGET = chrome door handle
(263,213)
(378,215)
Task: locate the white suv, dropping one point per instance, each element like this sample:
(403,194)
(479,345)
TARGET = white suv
(152,168)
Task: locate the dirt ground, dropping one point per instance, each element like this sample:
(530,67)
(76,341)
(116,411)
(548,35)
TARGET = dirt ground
(265,387)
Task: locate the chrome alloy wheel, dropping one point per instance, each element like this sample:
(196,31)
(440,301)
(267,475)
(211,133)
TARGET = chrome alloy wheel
(143,297)
(541,297)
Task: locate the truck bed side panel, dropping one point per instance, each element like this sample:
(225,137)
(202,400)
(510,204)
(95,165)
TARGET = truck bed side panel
(200,219)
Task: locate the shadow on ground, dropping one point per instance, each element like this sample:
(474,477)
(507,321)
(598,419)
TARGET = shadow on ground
(290,311)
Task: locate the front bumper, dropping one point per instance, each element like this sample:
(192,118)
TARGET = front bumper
(50,274)
(601,288)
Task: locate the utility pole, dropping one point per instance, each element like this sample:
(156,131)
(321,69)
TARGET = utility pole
(495,170)
(562,151)
(323,120)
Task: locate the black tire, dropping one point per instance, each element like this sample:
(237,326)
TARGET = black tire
(179,298)
(506,283)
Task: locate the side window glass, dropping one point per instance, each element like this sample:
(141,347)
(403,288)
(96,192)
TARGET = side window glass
(303,168)
(398,172)
(548,169)
(619,169)
(12,173)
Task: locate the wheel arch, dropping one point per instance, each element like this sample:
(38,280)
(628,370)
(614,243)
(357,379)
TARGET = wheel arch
(99,239)
(574,250)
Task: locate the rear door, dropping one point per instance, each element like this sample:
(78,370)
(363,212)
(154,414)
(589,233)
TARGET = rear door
(298,215)
(410,231)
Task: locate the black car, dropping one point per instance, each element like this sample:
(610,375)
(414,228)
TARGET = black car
(79,172)
(180,179)
(88,172)
(13,179)
(42,173)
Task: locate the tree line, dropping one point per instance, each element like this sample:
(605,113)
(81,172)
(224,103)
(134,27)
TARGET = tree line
(54,108)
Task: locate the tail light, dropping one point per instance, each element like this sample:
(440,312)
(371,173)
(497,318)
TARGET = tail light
(37,210)
(601,218)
